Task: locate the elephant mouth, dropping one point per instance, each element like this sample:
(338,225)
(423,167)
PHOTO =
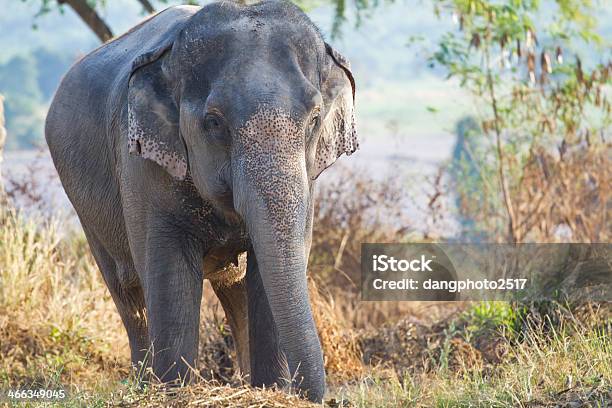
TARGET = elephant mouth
(223,195)
(224,266)
(226,200)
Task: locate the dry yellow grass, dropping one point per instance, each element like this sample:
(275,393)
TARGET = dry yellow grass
(57,320)
(210,394)
(342,353)
(59,329)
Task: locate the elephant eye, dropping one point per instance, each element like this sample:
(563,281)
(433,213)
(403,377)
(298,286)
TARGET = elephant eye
(212,122)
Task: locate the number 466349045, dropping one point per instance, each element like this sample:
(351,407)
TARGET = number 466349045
(40,393)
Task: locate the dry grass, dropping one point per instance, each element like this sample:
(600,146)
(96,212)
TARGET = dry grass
(57,320)
(209,394)
(342,353)
(59,328)
(569,365)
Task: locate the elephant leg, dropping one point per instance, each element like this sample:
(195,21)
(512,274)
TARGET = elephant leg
(172,285)
(129,302)
(268,362)
(233,299)
(131,306)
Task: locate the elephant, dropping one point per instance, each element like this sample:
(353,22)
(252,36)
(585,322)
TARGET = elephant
(189,141)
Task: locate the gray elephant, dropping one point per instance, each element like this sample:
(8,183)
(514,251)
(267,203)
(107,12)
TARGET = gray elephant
(189,140)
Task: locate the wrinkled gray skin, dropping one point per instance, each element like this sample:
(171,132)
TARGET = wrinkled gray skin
(193,138)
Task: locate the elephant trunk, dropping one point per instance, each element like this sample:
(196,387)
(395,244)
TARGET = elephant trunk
(275,209)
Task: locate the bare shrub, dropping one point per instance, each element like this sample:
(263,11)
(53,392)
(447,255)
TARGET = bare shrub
(34,186)
(570,189)
(559,196)
(351,210)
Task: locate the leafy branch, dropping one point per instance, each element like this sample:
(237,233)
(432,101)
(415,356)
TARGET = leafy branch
(514,62)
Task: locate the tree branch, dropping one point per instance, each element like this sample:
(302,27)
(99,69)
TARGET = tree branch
(512,222)
(90,17)
(3,199)
(146,4)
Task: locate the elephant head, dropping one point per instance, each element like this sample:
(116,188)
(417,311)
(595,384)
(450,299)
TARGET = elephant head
(252,105)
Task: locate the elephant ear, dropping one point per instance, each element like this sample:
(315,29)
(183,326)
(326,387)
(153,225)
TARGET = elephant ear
(153,115)
(338,134)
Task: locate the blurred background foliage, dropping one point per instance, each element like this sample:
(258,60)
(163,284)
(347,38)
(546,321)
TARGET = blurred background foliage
(387,70)
(535,163)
